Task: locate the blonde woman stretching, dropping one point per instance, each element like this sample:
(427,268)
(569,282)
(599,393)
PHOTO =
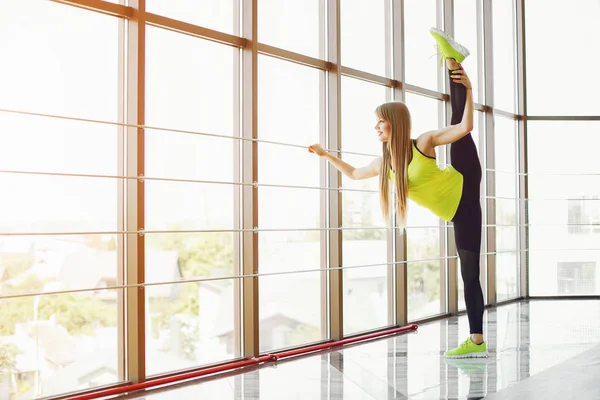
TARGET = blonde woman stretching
(451,193)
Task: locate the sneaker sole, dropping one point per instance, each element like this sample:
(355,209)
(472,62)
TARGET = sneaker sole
(470,355)
(453,43)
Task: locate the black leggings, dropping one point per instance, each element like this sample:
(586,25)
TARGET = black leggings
(467,220)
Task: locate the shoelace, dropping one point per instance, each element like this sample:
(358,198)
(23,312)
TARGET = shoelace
(437,51)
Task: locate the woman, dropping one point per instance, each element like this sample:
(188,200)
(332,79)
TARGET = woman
(451,193)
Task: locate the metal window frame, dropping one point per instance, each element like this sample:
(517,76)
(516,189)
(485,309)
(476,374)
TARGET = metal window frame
(121,201)
(390,96)
(400,244)
(250,257)
(334,137)
(481,56)
(135,304)
(490,181)
(323,195)
(447,239)
(523,190)
(238,334)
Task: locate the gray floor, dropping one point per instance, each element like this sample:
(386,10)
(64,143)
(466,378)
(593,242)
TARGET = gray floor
(538,350)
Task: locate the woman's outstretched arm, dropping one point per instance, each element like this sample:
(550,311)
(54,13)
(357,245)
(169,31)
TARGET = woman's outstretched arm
(368,171)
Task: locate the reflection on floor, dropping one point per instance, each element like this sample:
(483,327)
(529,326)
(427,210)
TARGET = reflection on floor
(525,339)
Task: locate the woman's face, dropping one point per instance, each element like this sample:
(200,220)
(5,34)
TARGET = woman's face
(383,129)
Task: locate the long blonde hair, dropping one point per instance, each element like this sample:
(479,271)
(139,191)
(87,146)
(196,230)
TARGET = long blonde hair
(398,148)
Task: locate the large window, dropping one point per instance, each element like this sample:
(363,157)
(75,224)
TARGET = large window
(364,246)
(563,203)
(467,32)
(80,84)
(365,49)
(291,309)
(292,25)
(59,212)
(563,208)
(189,323)
(424,252)
(506,202)
(421,55)
(504,45)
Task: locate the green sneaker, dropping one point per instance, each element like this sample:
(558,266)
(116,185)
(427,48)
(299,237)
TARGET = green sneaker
(468,349)
(448,47)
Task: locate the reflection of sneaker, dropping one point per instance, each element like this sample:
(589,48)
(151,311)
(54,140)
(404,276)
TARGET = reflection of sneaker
(468,365)
(468,349)
(448,47)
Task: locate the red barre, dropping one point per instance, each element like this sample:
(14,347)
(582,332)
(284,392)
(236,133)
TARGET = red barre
(238,364)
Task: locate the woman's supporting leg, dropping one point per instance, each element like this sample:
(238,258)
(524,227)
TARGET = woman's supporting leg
(469,269)
(468,222)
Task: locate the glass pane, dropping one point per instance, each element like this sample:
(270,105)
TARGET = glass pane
(220,15)
(359,101)
(188,324)
(174,206)
(505,83)
(295,120)
(507,276)
(422,61)
(50,76)
(292,309)
(505,145)
(423,243)
(564,234)
(424,115)
(55,141)
(505,151)
(286,319)
(466,33)
(292,25)
(479,133)
(424,276)
(68,204)
(198,95)
(195,323)
(546,95)
(364,245)
(365,288)
(364,48)
(49,340)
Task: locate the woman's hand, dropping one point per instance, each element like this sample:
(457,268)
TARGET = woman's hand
(318,150)
(460,76)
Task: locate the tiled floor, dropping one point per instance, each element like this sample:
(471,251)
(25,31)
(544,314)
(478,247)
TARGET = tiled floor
(524,339)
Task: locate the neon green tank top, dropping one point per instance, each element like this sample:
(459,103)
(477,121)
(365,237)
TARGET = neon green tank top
(438,190)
